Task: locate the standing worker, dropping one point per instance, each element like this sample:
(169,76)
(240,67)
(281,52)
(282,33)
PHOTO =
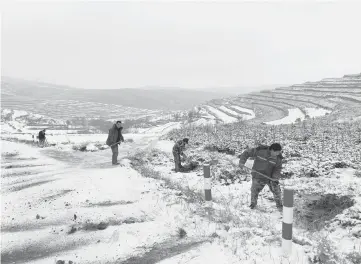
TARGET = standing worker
(114,138)
(268,162)
(178,149)
(42,137)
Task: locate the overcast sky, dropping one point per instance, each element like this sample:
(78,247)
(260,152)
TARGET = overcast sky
(189,45)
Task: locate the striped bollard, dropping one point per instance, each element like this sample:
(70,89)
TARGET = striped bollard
(207,184)
(287,221)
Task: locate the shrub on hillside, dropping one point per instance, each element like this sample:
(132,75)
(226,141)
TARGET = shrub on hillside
(357,174)
(287,174)
(225,150)
(210,147)
(295,154)
(227,177)
(312,173)
(341,164)
(325,252)
(87,146)
(354,257)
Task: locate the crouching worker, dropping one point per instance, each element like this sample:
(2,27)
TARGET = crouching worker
(114,138)
(267,161)
(178,149)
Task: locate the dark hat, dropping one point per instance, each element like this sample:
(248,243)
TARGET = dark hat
(185,140)
(118,121)
(275,147)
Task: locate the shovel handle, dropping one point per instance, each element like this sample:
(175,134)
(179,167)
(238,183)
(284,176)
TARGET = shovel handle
(244,166)
(114,144)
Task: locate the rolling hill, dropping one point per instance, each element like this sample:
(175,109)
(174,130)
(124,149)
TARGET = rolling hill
(15,91)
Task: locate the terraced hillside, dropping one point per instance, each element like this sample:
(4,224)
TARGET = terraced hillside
(339,97)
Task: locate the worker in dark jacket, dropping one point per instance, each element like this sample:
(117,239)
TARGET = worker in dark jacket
(267,161)
(114,138)
(42,137)
(178,149)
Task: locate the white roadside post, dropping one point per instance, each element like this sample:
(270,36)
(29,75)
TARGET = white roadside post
(207,184)
(287,221)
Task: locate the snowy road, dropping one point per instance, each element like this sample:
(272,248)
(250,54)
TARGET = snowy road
(61,209)
(75,206)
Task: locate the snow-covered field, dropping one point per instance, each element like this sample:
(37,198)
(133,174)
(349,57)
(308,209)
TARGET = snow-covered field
(62,204)
(224,117)
(316,112)
(63,138)
(228,110)
(18,113)
(225,114)
(19,116)
(243,116)
(293,115)
(203,122)
(322,163)
(231,209)
(296,113)
(251,113)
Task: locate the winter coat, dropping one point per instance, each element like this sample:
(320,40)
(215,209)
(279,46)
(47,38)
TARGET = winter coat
(263,162)
(113,135)
(178,147)
(41,135)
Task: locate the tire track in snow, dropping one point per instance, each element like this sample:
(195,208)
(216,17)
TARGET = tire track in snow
(164,251)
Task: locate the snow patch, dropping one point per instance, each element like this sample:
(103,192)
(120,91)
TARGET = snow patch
(316,112)
(163,129)
(228,110)
(160,117)
(91,147)
(18,113)
(6,128)
(205,114)
(251,113)
(204,122)
(293,115)
(165,146)
(224,117)
(5,111)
